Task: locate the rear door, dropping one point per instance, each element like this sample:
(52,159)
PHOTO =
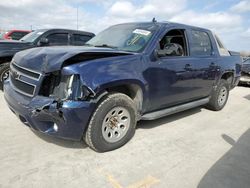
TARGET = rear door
(204,62)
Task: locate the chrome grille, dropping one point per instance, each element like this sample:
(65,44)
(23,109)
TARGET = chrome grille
(26,72)
(22,79)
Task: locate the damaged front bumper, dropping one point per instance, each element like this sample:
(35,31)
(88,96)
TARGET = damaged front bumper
(67,119)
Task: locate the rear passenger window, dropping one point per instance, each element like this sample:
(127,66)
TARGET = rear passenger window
(200,44)
(58,39)
(80,39)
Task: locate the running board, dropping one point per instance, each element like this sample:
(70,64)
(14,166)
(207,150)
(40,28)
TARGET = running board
(173,110)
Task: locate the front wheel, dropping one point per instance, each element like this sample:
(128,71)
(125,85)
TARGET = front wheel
(4,74)
(112,124)
(219,96)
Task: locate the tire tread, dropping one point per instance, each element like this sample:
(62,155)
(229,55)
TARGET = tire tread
(103,101)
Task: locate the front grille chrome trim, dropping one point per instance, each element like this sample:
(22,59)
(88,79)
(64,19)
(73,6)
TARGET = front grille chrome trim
(22,73)
(22,92)
(13,70)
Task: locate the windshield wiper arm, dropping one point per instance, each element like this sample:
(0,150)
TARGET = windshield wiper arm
(106,46)
(86,44)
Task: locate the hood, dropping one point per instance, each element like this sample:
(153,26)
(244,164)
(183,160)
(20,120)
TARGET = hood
(12,46)
(49,59)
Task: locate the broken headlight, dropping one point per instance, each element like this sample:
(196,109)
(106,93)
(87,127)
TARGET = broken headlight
(68,88)
(64,87)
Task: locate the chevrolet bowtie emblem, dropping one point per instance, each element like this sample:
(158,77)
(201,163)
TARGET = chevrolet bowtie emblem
(15,75)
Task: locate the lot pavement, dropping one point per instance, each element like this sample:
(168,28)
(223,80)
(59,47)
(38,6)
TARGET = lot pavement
(196,148)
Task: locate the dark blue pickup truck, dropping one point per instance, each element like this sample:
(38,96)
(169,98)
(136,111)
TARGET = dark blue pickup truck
(128,72)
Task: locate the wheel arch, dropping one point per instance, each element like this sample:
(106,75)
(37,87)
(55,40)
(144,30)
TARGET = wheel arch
(229,77)
(5,59)
(133,89)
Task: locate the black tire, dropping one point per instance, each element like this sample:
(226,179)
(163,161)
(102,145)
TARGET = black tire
(215,102)
(4,69)
(94,136)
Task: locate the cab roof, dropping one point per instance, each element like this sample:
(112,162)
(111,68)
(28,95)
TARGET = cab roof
(168,24)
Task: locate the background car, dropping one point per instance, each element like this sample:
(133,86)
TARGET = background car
(38,38)
(15,34)
(245,74)
(1,34)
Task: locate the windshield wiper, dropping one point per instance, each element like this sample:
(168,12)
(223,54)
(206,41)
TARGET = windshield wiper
(86,44)
(106,46)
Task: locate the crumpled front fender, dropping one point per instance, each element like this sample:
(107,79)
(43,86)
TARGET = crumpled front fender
(43,113)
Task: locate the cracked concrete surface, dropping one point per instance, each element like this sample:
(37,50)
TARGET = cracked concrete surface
(196,148)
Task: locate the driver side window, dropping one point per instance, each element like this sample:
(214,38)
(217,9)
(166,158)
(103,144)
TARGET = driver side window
(174,43)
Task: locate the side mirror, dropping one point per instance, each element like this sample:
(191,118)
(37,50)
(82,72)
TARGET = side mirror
(43,42)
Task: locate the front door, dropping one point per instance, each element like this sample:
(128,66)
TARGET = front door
(170,78)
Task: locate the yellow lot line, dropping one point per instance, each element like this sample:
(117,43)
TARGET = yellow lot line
(144,183)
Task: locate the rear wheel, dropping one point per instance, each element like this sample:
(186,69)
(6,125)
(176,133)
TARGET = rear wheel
(4,73)
(112,124)
(219,96)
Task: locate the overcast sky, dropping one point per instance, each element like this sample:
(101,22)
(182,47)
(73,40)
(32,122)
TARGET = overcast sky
(230,19)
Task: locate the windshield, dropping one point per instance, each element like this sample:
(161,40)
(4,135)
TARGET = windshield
(127,37)
(31,37)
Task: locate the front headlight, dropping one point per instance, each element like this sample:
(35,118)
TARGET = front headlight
(65,87)
(69,88)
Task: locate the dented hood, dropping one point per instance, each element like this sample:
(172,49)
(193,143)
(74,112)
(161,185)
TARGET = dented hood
(49,59)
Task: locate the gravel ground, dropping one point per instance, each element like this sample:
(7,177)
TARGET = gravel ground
(195,148)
